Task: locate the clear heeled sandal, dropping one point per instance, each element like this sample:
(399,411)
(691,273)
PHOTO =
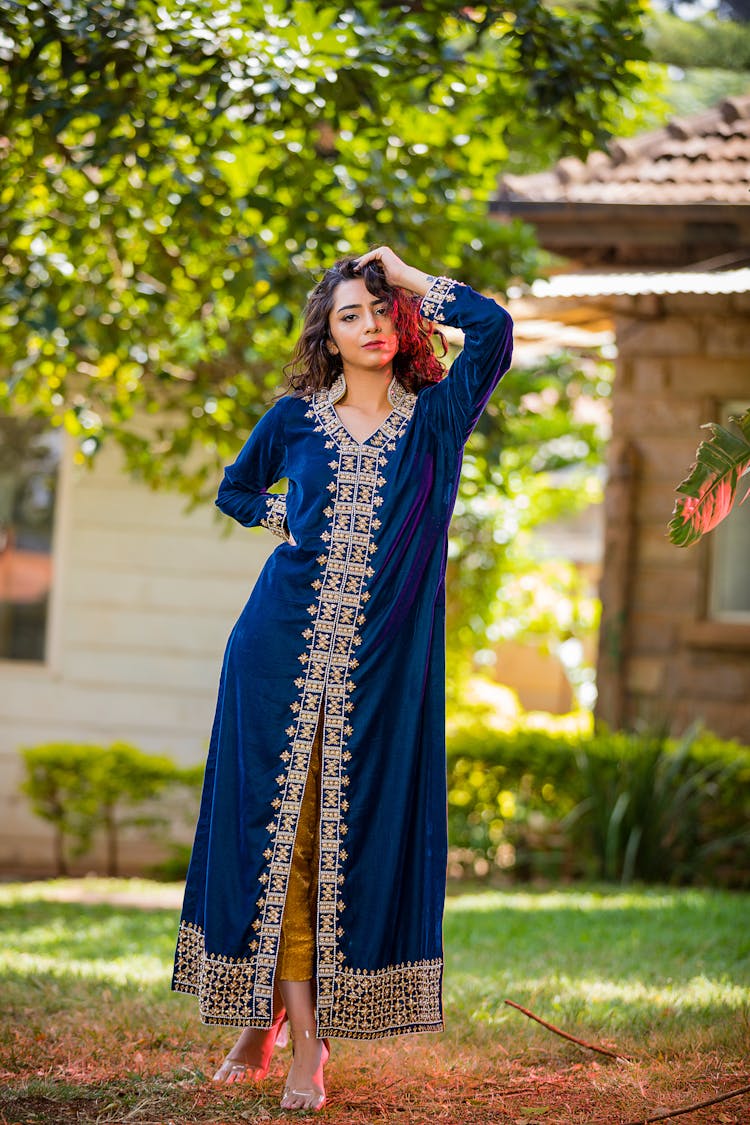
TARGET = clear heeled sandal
(312,1099)
(234,1070)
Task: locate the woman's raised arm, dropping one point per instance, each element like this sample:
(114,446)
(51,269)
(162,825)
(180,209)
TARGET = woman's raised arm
(455,403)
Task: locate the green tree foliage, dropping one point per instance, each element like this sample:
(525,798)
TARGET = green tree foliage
(173,176)
(58,793)
(535,458)
(706,43)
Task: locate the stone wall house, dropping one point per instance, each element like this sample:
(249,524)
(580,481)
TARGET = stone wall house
(656,240)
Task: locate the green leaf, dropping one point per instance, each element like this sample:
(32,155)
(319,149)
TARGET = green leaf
(711,489)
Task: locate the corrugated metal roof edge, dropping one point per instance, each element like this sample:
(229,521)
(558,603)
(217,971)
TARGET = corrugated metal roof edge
(635,284)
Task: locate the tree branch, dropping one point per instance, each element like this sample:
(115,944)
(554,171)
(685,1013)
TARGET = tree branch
(691,1108)
(564,1034)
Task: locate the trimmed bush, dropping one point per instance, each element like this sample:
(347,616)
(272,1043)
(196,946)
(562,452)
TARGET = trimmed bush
(614,805)
(84,789)
(529,804)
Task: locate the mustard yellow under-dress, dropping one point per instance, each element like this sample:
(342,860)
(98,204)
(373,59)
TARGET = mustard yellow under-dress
(299,921)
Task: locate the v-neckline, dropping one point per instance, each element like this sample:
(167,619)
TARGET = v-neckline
(370,436)
(402,406)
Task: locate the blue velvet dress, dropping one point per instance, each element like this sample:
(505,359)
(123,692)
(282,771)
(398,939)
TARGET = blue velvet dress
(351,620)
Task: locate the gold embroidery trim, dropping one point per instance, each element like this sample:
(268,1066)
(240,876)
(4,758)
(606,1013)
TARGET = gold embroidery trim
(328,664)
(368,1005)
(223,985)
(275,517)
(441,292)
(392,1001)
(401,399)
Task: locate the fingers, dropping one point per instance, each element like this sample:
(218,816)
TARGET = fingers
(395,270)
(378,254)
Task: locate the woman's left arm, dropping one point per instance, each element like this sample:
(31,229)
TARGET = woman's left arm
(456,402)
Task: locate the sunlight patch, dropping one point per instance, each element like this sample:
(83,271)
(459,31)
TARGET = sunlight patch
(485,901)
(140,970)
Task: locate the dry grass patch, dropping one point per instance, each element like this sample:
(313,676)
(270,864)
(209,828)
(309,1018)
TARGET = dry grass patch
(92,1036)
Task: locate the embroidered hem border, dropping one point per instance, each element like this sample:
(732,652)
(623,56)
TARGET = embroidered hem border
(399,1000)
(223,985)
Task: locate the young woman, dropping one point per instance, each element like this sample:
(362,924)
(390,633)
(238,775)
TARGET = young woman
(316,885)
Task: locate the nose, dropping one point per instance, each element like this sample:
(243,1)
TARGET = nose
(370,321)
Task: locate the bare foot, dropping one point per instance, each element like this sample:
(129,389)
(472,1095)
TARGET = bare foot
(305,1088)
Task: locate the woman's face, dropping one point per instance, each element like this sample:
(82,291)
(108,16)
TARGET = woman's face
(361,327)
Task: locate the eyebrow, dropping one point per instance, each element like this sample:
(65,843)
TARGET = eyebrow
(374,301)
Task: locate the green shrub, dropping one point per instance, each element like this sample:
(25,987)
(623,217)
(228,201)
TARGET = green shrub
(83,789)
(58,784)
(507,797)
(651,811)
(612,805)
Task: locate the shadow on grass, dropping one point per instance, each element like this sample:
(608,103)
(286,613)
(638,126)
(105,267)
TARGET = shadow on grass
(91,1034)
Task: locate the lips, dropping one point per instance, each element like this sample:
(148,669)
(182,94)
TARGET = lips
(375,344)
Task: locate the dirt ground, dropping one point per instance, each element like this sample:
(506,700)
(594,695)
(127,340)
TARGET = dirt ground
(77,1073)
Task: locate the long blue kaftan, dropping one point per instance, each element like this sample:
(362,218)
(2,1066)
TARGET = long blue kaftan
(349,619)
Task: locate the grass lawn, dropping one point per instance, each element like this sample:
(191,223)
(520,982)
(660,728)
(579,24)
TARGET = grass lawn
(91,1034)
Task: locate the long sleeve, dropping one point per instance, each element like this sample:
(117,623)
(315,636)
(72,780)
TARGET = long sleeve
(456,402)
(243,493)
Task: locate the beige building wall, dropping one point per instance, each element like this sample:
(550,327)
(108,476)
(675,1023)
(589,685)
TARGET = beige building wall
(664,657)
(144,597)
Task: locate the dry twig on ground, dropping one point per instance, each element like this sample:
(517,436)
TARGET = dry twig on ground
(690,1108)
(566,1035)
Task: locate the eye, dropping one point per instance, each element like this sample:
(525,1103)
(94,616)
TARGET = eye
(383,310)
(349,316)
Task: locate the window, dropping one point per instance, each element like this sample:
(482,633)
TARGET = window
(29,461)
(729,579)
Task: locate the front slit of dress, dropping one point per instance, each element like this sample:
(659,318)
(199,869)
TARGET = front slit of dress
(297,944)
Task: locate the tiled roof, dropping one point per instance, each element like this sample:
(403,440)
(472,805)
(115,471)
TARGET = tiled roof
(695,160)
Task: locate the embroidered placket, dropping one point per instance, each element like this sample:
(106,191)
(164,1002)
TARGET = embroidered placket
(328,662)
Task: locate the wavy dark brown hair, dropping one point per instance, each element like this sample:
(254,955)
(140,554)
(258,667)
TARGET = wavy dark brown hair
(313,368)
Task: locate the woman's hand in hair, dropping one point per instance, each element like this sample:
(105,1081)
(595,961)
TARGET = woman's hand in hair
(397,272)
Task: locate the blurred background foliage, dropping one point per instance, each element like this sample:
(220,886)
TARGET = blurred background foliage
(535,459)
(175,176)
(86,791)
(523,803)
(621,806)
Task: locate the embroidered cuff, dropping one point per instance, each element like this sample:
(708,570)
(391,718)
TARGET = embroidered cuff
(441,291)
(275,517)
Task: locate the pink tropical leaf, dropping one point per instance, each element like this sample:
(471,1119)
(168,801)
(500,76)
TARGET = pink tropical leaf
(710,491)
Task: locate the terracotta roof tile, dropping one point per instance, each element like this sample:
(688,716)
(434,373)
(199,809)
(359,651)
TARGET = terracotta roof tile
(701,159)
